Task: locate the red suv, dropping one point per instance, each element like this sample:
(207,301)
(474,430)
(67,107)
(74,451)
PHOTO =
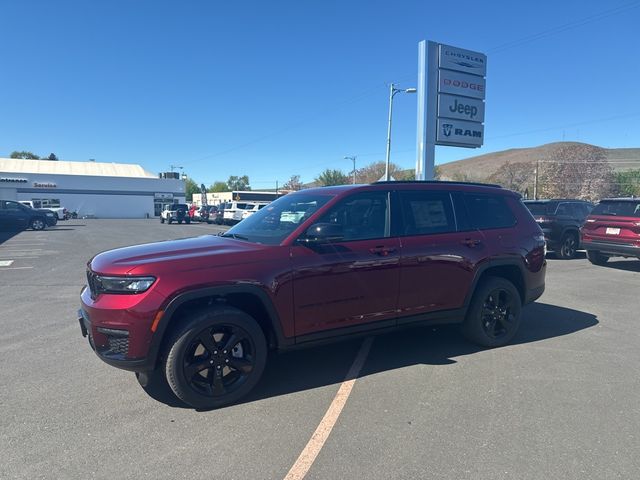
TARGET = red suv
(201,313)
(612,230)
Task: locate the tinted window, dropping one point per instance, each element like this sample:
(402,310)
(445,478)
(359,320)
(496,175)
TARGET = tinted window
(426,213)
(13,206)
(566,209)
(621,209)
(541,208)
(489,211)
(362,216)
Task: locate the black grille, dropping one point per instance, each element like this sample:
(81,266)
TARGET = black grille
(92,281)
(118,344)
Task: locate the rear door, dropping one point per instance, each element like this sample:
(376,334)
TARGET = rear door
(353,280)
(439,250)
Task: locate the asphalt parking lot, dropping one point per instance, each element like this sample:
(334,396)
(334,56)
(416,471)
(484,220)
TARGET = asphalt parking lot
(560,402)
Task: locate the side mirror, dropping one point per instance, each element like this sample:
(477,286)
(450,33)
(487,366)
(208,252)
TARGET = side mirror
(320,233)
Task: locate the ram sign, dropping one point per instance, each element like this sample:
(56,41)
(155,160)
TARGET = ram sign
(458,132)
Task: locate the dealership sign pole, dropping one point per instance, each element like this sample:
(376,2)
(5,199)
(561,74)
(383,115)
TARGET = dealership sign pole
(451,93)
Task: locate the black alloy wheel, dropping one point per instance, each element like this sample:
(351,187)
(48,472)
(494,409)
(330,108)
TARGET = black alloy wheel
(493,317)
(568,246)
(217,358)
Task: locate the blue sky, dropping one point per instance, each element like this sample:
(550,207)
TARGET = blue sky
(275,88)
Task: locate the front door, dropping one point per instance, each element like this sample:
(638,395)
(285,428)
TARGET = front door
(353,279)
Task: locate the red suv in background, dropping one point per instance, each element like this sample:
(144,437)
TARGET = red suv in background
(201,313)
(612,230)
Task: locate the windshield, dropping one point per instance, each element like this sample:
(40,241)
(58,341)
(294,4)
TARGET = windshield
(541,208)
(618,208)
(273,223)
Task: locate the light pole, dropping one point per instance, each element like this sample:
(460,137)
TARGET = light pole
(392,93)
(353,159)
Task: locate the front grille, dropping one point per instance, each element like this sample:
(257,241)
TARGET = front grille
(92,281)
(118,344)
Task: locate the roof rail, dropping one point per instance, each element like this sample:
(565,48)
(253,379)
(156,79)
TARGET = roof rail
(478,184)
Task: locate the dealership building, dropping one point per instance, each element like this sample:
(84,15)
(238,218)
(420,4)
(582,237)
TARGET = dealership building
(92,189)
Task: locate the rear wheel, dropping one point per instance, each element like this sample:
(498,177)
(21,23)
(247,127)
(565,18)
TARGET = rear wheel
(161,219)
(170,220)
(216,358)
(568,246)
(596,258)
(493,317)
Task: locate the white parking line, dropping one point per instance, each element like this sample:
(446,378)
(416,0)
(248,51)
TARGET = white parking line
(5,263)
(14,268)
(319,437)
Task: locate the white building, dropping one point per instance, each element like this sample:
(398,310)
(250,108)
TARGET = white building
(93,189)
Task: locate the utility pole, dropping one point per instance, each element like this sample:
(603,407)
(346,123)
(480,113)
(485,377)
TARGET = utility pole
(535,185)
(392,92)
(353,159)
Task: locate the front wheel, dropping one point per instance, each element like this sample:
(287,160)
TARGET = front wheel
(568,246)
(161,219)
(493,317)
(37,224)
(216,358)
(596,258)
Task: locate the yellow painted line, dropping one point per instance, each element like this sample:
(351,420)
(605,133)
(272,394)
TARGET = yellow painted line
(319,437)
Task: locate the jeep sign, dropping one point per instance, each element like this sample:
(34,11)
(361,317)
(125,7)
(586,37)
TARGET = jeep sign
(458,132)
(462,108)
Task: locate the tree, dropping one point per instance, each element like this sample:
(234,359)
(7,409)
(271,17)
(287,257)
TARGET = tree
(627,183)
(575,170)
(238,183)
(52,157)
(375,171)
(332,177)
(219,187)
(190,187)
(24,155)
(293,183)
(514,176)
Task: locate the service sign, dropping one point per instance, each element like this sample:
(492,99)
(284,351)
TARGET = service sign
(461,108)
(461,60)
(457,83)
(459,133)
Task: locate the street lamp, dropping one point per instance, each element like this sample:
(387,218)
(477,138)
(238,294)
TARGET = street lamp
(392,93)
(353,159)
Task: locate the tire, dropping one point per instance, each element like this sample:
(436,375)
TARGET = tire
(596,258)
(154,383)
(38,224)
(180,221)
(493,316)
(187,221)
(170,220)
(161,219)
(568,246)
(199,346)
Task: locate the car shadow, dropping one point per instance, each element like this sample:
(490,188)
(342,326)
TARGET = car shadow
(314,367)
(6,235)
(580,255)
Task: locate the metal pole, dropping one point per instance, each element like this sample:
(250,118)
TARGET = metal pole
(386,171)
(535,185)
(353,159)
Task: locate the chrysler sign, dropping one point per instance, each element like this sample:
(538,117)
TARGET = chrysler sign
(460,60)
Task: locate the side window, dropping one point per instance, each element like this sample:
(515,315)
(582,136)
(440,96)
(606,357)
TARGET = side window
(12,206)
(565,210)
(489,211)
(361,217)
(425,212)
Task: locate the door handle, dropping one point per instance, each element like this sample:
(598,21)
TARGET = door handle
(471,242)
(382,251)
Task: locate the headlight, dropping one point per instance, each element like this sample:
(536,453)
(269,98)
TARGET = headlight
(49,214)
(122,284)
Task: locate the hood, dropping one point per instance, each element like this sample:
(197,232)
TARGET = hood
(172,255)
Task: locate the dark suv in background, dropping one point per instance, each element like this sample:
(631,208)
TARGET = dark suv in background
(612,230)
(201,313)
(560,221)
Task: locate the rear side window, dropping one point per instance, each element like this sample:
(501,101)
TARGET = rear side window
(489,211)
(425,212)
(620,209)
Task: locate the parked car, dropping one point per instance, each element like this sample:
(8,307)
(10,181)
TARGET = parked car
(16,216)
(201,214)
(253,208)
(215,215)
(60,212)
(177,212)
(232,213)
(612,230)
(560,220)
(201,313)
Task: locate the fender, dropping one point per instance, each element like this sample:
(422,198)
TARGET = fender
(496,262)
(180,299)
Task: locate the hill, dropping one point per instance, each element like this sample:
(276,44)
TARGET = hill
(483,166)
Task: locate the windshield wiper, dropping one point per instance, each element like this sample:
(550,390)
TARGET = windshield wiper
(234,235)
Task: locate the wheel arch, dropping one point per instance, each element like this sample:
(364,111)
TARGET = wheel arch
(248,298)
(508,269)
